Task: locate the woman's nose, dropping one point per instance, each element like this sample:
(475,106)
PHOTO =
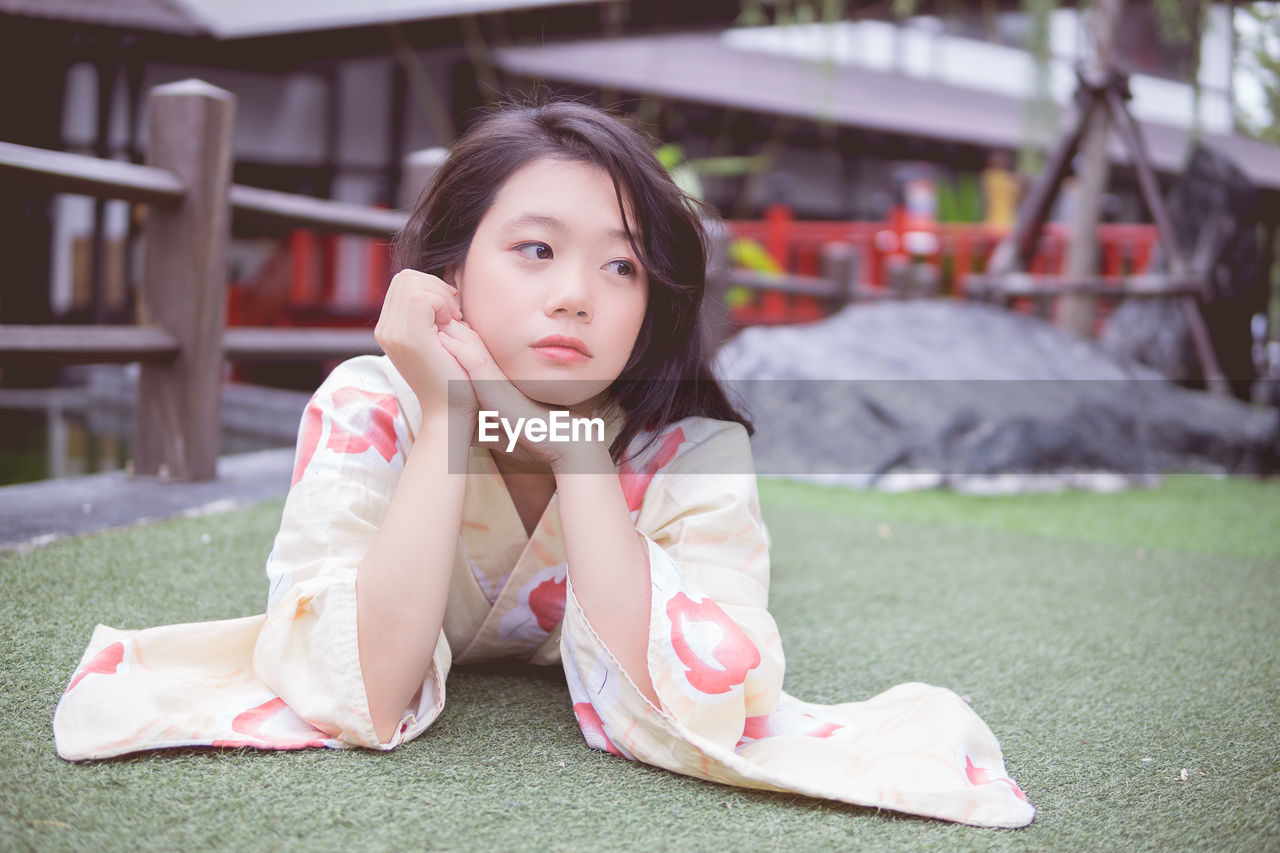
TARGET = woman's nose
(571,294)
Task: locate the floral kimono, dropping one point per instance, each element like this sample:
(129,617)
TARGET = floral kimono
(291,678)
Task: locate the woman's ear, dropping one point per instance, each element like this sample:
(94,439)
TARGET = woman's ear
(453,276)
(450,277)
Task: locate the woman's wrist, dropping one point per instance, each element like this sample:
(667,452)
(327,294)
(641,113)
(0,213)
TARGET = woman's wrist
(582,457)
(450,429)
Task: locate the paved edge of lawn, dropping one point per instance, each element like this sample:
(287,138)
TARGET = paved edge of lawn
(34,514)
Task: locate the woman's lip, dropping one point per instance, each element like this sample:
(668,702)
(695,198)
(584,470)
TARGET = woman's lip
(556,352)
(563,342)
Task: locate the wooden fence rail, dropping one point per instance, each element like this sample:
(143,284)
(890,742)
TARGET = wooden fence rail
(91,176)
(317,214)
(64,345)
(182,341)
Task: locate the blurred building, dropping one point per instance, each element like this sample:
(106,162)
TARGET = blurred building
(854,97)
(331,94)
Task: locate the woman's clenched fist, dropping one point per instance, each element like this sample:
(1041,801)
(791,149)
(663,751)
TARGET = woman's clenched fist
(416,308)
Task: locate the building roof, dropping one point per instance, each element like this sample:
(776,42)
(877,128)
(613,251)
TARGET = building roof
(161,16)
(229,19)
(702,68)
(232,19)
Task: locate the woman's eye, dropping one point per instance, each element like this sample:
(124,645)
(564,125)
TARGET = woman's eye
(621,267)
(535,251)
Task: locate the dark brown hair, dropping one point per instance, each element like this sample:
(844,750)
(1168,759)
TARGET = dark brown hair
(668,376)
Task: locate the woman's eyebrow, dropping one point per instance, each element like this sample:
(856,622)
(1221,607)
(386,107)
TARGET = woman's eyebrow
(525,220)
(537,219)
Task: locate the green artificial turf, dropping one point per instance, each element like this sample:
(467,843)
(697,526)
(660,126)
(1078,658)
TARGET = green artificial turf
(1111,641)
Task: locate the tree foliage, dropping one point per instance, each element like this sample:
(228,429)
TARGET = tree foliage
(1259,49)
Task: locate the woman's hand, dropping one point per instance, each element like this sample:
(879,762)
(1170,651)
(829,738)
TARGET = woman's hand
(495,392)
(417,307)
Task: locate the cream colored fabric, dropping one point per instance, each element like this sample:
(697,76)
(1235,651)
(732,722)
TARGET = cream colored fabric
(291,678)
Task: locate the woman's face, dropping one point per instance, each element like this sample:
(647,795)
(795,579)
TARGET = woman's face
(551,284)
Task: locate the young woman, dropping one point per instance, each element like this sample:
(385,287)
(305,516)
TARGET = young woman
(552,270)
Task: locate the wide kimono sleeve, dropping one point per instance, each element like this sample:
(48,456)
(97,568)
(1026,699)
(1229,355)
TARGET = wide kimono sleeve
(716,662)
(352,446)
(291,678)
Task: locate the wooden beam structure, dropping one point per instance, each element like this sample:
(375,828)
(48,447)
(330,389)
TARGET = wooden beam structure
(1005,274)
(315,213)
(64,345)
(59,171)
(241,343)
(1025,284)
(183,343)
(184,286)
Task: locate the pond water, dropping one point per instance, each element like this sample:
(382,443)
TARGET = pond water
(69,435)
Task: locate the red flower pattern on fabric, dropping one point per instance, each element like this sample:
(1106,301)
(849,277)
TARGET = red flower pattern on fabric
(363,419)
(252,722)
(754,728)
(593,728)
(786,723)
(105,662)
(546,600)
(635,482)
(982,776)
(308,440)
(734,652)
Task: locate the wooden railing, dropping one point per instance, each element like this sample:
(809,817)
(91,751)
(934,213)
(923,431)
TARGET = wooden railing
(182,340)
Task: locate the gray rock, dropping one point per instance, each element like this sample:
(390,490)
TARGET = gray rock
(919,394)
(1153,332)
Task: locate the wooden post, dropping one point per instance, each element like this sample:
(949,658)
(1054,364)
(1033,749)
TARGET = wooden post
(1178,263)
(1082,258)
(839,265)
(715,313)
(1132,136)
(417,173)
(1013,253)
(962,263)
(106,73)
(184,284)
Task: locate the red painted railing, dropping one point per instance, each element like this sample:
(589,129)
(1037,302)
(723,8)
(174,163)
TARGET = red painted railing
(955,250)
(303,273)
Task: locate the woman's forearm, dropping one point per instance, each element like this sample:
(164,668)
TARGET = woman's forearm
(403,582)
(609,568)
